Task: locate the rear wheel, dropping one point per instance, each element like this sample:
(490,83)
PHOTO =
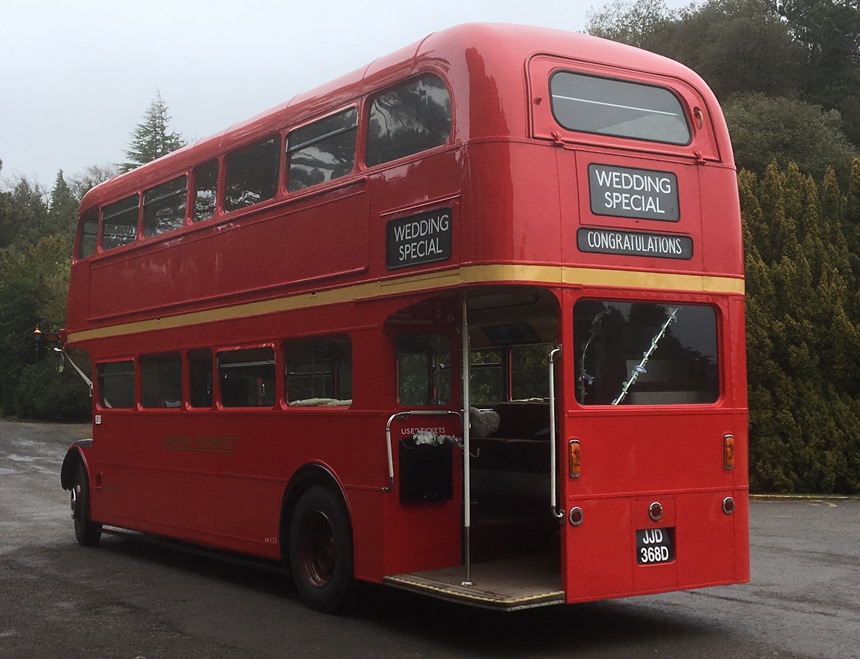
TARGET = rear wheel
(321,550)
(87,532)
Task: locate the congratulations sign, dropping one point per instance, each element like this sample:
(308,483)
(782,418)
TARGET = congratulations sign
(634,243)
(638,193)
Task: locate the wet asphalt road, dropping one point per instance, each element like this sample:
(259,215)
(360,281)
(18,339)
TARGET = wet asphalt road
(129,598)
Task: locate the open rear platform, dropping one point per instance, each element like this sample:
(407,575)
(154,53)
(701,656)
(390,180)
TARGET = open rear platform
(504,585)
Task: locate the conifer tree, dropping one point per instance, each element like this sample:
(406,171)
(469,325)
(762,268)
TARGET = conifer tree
(803,336)
(23,213)
(811,238)
(851,230)
(152,138)
(62,208)
(851,219)
(794,194)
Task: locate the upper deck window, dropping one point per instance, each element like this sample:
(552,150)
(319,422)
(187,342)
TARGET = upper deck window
(252,174)
(607,106)
(322,151)
(119,222)
(164,206)
(89,232)
(408,119)
(205,186)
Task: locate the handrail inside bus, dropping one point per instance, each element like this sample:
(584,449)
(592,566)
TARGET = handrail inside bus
(553,444)
(403,415)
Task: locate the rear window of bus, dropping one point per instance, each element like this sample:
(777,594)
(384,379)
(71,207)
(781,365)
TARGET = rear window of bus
(645,353)
(608,106)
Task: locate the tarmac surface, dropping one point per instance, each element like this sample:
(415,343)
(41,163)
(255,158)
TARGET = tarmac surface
(131,598)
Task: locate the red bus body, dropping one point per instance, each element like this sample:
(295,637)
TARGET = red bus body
(530,255)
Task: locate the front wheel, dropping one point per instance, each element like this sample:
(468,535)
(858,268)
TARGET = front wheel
(321,550)
(87,532)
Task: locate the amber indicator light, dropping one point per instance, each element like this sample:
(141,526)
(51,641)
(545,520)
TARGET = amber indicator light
(729,452)
(575,465)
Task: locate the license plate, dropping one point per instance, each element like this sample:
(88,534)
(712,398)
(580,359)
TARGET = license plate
(655,546)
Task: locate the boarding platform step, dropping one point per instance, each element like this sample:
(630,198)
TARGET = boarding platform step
(503,585)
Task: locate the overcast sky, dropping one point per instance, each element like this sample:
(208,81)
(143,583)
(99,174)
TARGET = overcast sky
(77,77)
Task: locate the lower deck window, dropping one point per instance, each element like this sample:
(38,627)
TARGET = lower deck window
(318,372)
(529,371)
(200,378)
(423,369)
(247,377)
(516,372)
(645,353)
(487,376)
(161,381)
(116,385)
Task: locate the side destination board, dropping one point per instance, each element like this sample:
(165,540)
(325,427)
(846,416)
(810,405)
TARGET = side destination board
(421,238)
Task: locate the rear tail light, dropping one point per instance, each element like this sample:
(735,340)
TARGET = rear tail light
(729,452)
(573,457)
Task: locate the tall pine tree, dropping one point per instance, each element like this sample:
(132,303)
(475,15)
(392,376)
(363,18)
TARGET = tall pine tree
(152,138)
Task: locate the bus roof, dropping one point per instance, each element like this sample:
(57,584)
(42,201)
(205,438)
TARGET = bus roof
(495,58)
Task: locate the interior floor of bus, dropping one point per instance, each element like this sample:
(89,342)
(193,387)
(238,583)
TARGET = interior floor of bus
(509,584)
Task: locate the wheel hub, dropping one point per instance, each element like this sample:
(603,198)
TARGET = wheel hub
(74,501)
(318,550)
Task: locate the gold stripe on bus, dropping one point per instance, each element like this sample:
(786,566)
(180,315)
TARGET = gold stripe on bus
(536,274)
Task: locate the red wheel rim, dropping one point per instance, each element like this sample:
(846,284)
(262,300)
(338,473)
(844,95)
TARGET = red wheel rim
(318,549)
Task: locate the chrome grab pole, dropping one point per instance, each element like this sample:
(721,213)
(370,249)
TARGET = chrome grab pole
(553,443)
(467,456)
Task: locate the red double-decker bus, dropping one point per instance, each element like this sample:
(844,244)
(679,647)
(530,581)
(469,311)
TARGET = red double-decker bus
(468,321)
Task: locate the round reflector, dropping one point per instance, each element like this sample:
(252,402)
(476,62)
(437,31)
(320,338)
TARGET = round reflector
(575,516)
(655,511)
(728,505)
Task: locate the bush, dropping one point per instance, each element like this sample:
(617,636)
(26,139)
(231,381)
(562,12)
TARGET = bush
(43,393)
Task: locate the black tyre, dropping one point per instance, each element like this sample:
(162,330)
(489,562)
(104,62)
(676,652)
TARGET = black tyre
(321,550)
(87,532)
